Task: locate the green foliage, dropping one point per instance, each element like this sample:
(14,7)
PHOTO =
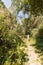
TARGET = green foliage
(36,7)
(37,34)
(40,35)
(11,45)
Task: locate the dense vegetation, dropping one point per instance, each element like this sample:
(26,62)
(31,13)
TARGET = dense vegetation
(12,33)
(11,45)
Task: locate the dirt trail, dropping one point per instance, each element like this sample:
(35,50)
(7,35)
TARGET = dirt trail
(32,55)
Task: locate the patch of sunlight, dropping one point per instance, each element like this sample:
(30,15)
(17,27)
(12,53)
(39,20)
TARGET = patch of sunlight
(32,41)
(7,63)
(41,56)
(1,16)
(35,61)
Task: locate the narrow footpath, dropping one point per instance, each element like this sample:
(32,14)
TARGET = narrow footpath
(32,55)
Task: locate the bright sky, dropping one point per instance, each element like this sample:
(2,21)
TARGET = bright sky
(7,3)
(20,14)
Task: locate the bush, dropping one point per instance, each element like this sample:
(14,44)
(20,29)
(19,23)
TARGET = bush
(11,45)
(40,35)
